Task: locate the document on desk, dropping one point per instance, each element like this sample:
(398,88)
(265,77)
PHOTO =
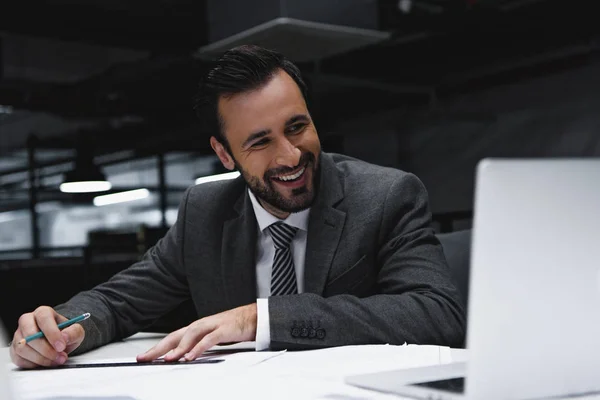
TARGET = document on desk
(337,362)
(46,383)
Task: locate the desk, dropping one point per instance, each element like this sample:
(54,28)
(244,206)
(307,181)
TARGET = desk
(314,374)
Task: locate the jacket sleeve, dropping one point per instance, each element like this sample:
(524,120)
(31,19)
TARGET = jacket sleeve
(413,299)
(133,298)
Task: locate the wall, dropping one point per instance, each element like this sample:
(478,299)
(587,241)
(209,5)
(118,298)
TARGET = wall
(551,116)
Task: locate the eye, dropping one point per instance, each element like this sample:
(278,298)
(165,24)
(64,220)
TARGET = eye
(259,143)
(295,128)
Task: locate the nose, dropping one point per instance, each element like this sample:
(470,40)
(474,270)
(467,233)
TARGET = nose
(288,155)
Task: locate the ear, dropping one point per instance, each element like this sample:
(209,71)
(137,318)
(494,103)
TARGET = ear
(222,153)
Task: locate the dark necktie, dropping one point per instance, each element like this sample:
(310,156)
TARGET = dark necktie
(283,275)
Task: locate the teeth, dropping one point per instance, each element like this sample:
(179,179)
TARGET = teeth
(291,177)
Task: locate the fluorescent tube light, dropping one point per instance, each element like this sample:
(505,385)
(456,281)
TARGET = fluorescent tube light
(218,177)
(85,186)
(121,197)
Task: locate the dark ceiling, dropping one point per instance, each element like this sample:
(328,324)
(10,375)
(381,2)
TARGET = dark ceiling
(440,48)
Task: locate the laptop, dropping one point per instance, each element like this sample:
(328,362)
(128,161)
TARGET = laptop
(534,300)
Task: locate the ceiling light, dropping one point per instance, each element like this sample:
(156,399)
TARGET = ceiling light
(86,177)
(121,197)
(218,177)
(85,187)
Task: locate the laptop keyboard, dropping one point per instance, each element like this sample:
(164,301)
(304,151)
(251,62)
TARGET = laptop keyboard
(454,385)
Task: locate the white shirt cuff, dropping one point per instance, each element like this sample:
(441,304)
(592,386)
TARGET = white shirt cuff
(263,329)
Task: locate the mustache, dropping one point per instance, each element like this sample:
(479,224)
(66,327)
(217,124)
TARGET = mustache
(305,158)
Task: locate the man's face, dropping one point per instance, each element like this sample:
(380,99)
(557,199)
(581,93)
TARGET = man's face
(273,143)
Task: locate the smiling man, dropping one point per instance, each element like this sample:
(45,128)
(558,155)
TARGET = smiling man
(272,141)
(306,249)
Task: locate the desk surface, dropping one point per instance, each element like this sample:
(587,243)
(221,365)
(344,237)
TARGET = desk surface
(314,374)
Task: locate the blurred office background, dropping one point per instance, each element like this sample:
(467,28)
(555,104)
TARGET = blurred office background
(104,89)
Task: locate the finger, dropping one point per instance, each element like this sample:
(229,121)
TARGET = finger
(30,354)
(21,362)
(73,337)
(12,345)
(166,344)
(206,343)
(46,319)
(35,349)
(25,352)
(16,359)
(193,334)
(161,347)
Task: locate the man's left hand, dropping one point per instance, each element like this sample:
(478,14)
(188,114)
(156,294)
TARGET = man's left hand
(237,325)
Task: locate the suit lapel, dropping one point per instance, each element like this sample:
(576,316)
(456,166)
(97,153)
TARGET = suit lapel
(325,227)
(238,249)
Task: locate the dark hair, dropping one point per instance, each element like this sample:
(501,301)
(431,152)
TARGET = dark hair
(238,70)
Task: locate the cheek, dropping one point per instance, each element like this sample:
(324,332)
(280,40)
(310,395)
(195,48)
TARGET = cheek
(256,166)
(312,142)
(306,140)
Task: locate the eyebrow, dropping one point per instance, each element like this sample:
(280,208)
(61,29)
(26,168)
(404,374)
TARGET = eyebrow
(260,134)
(297,118)
(254,136)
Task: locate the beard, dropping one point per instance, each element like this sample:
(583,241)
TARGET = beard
(302,197)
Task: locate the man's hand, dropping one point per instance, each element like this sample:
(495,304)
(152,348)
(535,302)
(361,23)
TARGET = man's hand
(237,325)
(51,350)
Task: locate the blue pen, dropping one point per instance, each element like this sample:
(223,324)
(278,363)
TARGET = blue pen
(62,325)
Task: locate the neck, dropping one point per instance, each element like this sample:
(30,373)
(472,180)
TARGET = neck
(273,210)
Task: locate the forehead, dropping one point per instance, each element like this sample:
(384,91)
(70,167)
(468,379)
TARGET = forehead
(265,108)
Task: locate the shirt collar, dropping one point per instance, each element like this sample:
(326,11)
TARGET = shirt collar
(264,218)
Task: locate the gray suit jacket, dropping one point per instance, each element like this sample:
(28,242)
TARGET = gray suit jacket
(374,271)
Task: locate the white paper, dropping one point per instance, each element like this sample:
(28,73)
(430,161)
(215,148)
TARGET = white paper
(335,363)
(238,384)
(41,384)
(314,374)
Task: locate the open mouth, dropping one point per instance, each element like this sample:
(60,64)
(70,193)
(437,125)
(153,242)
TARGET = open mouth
(291,177)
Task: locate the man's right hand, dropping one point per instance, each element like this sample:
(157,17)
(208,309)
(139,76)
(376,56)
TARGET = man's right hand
(51,350)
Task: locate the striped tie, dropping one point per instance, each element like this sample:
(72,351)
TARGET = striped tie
(283,276)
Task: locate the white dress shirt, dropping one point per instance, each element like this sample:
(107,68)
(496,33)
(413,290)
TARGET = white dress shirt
(265,252)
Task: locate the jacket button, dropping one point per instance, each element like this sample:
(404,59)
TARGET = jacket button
(295,331)
(321,334)
(304,332)
(312,332)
